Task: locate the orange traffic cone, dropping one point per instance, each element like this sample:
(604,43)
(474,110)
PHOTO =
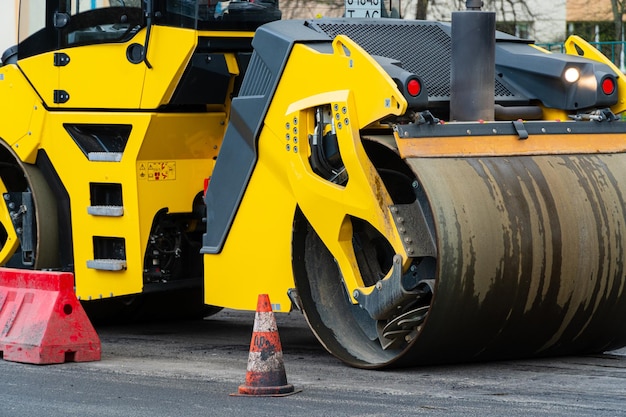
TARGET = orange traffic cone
(266,371)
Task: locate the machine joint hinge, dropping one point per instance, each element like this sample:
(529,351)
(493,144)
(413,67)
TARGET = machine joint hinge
(61,59)
(61,96)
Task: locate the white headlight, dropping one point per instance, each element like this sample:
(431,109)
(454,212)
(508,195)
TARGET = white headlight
(571,75)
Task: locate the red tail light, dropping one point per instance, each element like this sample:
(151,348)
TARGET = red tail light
(608,86)
(413,87)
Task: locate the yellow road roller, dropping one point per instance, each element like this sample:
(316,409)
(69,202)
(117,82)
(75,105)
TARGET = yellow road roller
(423,192)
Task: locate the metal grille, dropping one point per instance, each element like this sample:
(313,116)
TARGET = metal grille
(502,91)
(423,48)
(258,80)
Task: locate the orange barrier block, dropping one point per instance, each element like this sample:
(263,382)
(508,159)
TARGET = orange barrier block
(42,321)
(266,374)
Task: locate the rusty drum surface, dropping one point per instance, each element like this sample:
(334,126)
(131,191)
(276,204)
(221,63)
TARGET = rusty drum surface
(531,256)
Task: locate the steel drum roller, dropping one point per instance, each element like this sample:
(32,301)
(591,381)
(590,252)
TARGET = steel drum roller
(530,256)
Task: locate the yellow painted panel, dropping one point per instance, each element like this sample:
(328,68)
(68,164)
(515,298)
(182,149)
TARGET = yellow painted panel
(21,116)
(169,52)
(76,173)
(256,258)
(100,76)
(191,151)
(42,74)
(310,73)
(472,146)
(359,93)
(327,206)
(168,68)
(196,135)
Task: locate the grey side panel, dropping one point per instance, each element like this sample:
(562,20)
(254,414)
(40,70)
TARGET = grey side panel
(272,45)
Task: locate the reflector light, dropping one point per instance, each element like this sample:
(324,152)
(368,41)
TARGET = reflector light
(206,184)
(608,86)
(413,87)
(571,75)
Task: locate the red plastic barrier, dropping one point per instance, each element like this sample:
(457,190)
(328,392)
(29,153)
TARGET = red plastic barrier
(42,321)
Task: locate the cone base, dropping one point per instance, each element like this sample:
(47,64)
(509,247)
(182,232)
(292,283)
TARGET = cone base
(281,391)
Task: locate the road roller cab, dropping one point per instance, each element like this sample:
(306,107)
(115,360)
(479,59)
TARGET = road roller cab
(424,192)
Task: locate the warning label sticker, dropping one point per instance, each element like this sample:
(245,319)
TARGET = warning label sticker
(158,170)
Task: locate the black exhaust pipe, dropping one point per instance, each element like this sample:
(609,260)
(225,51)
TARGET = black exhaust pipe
(472,78)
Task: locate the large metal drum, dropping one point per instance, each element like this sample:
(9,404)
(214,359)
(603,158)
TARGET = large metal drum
(531,253)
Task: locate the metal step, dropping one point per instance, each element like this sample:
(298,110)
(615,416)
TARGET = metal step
(106,211)
(105,156)
(107,264)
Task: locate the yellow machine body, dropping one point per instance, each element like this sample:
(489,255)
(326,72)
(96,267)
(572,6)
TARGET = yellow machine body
(165,161)
(176,148)
(293,110)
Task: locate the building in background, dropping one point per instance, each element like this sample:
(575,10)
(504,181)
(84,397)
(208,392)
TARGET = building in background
(524,18)
(592,20)
(541,20)
(8,24)
(309,9)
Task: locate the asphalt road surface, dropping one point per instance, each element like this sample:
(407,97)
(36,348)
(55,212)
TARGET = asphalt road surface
(188,369)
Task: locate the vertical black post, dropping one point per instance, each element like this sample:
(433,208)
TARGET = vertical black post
(472,81)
